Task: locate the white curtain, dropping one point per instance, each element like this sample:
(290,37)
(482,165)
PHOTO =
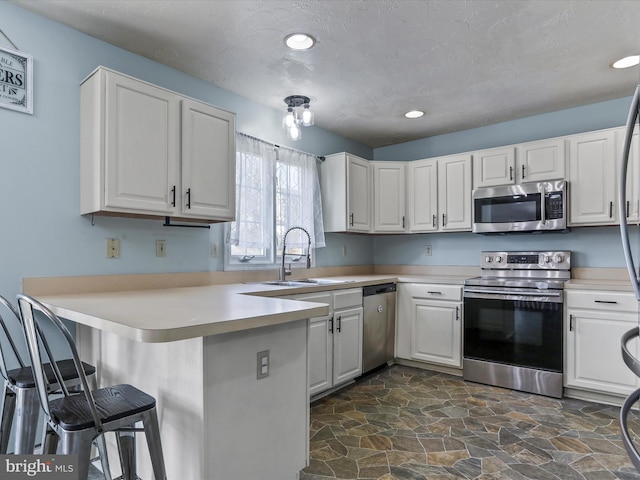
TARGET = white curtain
(255,168)
(275,188)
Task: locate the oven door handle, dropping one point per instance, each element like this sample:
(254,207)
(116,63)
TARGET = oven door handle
(555,297)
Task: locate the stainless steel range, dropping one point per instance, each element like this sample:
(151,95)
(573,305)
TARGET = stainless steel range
(513,320)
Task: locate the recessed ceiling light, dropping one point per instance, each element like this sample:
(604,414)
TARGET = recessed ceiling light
(299,41)
(627,62)
(414,114)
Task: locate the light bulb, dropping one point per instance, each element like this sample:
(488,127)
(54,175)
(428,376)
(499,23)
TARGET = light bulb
(289,118)
(307,116)
(294,132)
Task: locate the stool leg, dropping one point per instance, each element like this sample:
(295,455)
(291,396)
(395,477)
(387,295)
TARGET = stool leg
(78,443)
(104,459)
(6,418)
(49,441)
(27,408)
(127,451)
(152,432)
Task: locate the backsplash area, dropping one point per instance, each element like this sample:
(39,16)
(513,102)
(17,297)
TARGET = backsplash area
(592,247)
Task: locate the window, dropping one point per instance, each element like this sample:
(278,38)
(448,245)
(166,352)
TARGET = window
(276,189)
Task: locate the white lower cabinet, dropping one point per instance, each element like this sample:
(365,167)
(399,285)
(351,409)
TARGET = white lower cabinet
(335,340)
(595,322)
(430,323)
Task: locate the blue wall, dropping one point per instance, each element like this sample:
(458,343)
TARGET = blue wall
(43,233)
(590,247)
(612,113)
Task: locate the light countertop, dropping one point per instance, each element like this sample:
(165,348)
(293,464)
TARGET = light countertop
(601,284)
(170,314)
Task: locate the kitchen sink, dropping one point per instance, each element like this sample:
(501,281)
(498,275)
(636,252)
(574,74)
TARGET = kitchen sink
(323,281)
(285,283)
(304,282)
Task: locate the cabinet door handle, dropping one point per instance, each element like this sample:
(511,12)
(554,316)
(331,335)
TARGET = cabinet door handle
(510,173)
(613,302)
(522,172)
(434,220)
(331,325)
(403,222)
(610,209)
(434,293)
(444,220)
(188,198)
(351,219)
(339,324)
(458,314)
(627,208)
(173,196)
(570,323)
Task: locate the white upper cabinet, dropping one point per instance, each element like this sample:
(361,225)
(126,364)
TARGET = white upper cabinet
(208,161)
(422,196)
(495,166)
(540,161)
(527,162)
(439,194)
(632,203)
(454,193)
(346,185)
(592,176)
(131,161)
(388,197)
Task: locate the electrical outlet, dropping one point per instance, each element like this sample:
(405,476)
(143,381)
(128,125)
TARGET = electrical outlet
(263,364)
(427,250)
(113,248)
(214,250)
(161,248)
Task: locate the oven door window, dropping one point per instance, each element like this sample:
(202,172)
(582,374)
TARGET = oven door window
(514,332)
(511,209)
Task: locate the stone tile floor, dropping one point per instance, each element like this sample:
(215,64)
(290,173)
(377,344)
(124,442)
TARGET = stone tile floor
(407,423)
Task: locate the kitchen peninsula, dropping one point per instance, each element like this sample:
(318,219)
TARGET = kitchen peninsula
(195,350)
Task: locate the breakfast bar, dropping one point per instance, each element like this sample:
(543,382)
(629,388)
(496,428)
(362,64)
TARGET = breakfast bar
(195,350)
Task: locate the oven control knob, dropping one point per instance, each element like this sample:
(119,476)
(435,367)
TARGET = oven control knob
(547,258)
(498,259)
(487,259)
(558,259)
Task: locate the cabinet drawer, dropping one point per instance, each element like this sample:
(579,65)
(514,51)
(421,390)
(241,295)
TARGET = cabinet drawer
(602,300)
(434,291)
(319,297)
(349,298)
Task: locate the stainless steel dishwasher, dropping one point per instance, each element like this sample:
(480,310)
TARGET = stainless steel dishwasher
(379,333)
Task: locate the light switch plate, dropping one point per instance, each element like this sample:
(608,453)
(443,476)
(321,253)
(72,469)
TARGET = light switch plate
(161,248)
(263,364)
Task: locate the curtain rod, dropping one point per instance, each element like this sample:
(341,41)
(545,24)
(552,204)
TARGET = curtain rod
(318,157)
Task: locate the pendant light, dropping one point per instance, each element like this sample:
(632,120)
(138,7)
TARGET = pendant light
(297,114)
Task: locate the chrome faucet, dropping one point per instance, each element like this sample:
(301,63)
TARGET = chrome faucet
(283,271)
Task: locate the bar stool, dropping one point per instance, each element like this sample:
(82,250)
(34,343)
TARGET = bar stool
(21,396)
(76,419)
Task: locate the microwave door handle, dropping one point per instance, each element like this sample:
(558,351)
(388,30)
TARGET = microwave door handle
(622,193)
(543,206)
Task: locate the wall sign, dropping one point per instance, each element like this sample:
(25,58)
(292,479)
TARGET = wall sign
(16,80)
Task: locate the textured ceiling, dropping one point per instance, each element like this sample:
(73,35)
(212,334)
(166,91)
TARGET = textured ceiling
(466,63)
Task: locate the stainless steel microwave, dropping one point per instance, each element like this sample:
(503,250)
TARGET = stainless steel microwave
(527,207)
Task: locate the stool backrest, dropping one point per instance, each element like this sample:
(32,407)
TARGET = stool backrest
(33,325)
(4,357)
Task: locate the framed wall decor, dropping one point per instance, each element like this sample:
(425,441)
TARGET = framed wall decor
(16,80)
